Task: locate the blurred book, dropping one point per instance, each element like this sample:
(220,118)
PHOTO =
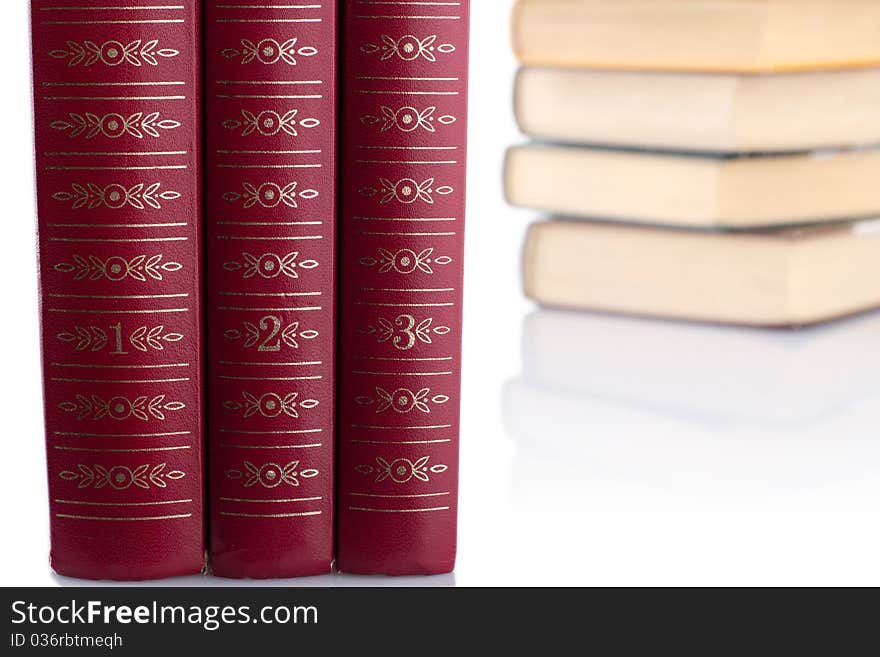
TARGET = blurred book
(698,35)
(690,190)
(765,278)
(696,112)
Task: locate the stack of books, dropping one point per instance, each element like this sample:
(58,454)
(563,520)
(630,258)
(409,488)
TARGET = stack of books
(712,161)
(250,350)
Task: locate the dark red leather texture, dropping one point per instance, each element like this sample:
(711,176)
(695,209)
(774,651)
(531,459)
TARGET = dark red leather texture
(404,104)
(271,188)
(118,147)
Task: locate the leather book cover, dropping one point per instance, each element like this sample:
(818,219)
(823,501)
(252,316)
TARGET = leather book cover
(271,188)
(403,151)
(118,148)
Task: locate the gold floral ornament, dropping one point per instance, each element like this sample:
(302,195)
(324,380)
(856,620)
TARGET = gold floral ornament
(402,400)
(95,339)
(117,268)
(269,195)
(405,331)
(401,471)
(406,261)
(120,477)
(121,408)
(270,265)
(270,405)
(114,125)
(116,196)
(269,51)
(407,119)
(406,191)
(270,334)
(271,475)
(408,48)
(269,123)
(113,53)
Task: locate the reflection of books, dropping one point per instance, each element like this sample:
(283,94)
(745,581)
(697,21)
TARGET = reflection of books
(727,192)
(776,278)
(606,401)
(723,373)
(684,111)
(571,443)
(710,35)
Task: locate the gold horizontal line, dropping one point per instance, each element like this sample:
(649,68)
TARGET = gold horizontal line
(114,97)
(170,225)
(162,167)
(415,219)
(371,510)
(399,497)
(401,442)
(116,22)
(404,305)
(413,428)
(115,153)
(170,83)
(288,432)
(270,223)
(404,77)
(118,296)
(122,435)
(278,310)
(269,6)
(407,289)
(304,363)
(269,20)
(404,234)
(112,7)
(403,360)
(366,373)
(119,381)
(283,501)
(96,450)
(312,446)
(391,92)
(122,504)
(275,82)
(285,238)
(270,294)
(272,97)
(118,312)
(270,166)
(270,515)
(257,152)
(121,367)
(117,519)
(437,162)
(408,148)
(103,240)
(270,378)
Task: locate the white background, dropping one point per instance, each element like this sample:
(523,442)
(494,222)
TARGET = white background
(639,453)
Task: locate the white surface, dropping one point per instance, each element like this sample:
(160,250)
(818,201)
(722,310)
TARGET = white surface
(597,492)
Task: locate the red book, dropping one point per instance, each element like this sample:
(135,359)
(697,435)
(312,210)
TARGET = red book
(404,100)
(271,133)
(118,148)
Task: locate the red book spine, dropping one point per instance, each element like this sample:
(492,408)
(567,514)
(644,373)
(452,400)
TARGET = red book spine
(118,150)
(404,89)
(271,133)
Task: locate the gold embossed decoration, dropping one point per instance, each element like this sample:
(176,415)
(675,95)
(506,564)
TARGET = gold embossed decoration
(121,477)
(271,475)
(113,53)
(401,471)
